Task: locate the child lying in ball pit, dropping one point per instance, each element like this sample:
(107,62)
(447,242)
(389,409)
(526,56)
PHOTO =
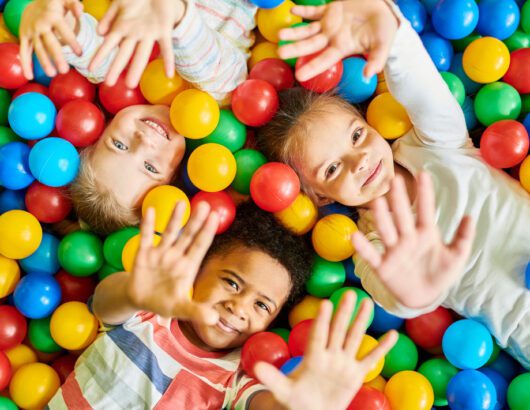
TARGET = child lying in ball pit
(205,40)
(170,350)
(405,258)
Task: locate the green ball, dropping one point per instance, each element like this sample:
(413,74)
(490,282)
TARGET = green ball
(519,392)
(13,13)
(497,101)
(7,135)
(81,253)
(361,294)
(403,356)
(40,336)
(312,2)
(247,162)
(525,104)
(525,17)
(292,61)
(5,101)
(7,404)
(107,270)
(517,40)
(284,333)
(494,354)
(439,372)
(114,244)
(230,132)
(461,44)
(192,144)
(456,86)
(326,277)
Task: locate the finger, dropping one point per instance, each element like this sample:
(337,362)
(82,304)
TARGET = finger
(384,222)
(200,245)
(463,239)
(44,60)
(147,230)
(166,50)
(341,321)
(110,43)
(358,328)
(379,48)
(319,64)
(196,221)
(125,52)
(54,48)
(68,37)
(202,313)
(76,8)
(303,47)
(139,62)
(425,201)
(171,233)
(107,20)
(385,344)
(26,62)
(309,12)
(401,208)
(301,32)
(276,382)
(367,250)
(318,337)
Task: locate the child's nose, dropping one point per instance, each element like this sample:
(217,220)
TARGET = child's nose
(143,138)
(359,162)
(236,308)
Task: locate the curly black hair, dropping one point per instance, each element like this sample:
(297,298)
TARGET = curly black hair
(254,228)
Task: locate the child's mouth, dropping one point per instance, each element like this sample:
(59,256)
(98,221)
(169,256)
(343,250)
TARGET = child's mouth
(226,327)
(157,126)
(374,173)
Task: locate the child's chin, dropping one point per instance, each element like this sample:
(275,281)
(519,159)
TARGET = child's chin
(219,340)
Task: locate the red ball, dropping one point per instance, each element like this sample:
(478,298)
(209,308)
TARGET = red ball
(275,71)
(518,74)
(31,88)
(299,337)
(5,371)
(427,330)
(80,122)
(71,86)
(47,204)
(118,96)
(75,288)
(274,186)
(64,365)
(220,202)
(504,144)
(13,327)
(11,76)
(323,82)
(263,347)
(255,102)
(369,398)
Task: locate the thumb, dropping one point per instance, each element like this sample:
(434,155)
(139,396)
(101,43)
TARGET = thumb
(277,383)
(107,19)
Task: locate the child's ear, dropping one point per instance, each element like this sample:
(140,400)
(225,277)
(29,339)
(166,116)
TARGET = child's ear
(323,201)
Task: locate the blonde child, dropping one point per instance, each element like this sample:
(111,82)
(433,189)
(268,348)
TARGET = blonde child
(414,257)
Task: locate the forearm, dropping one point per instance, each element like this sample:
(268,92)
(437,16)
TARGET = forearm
(110,303)
(264,400)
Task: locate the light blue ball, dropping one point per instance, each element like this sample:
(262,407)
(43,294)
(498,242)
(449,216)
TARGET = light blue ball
(14,166)
(500,383)
(471,390)
(39,74)
(353,86)
(415,12)
(267,4)
(37,296)
(32,116)
(384,321)
(54,162)
(469,113)
(498,18)
(44,260)
(440,50)
(527,276)
(290,365)
(457,69)
(455,19)
(10,200)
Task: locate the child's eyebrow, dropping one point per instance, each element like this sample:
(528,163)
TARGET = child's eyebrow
(240,279)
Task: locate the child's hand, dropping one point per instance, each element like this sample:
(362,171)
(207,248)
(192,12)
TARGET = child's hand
(342,28)
(41,24)
(330,374)
(135,26)
(417,267)
(162,278)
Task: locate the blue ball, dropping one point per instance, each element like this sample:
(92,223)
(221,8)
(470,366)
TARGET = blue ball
(455,19)
(457,69)
(505,365)
(500,383)
(44,260)
(39,74)
(14,166)
(37,296)
(267,4)
(188,185)
(353,86)
(526,123)
(429,5)
(335,208)
(349,267)
(32,116)
(2,4)
(440,50)
(527,276)
(498,18)
(467,344)
(469,113)
(290,365)
(10,200)
(471,390)
(415,12)
(384,321)
(54,162)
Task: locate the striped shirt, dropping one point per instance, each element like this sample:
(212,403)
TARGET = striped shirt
(210,45)
(147,363)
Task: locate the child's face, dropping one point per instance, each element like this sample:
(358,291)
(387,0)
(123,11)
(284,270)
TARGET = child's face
(138,150)
(247,288)
(345,160)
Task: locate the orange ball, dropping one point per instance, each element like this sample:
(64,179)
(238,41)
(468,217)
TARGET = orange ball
(156,87)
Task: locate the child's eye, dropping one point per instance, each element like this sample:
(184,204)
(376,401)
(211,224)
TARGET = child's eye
(120,145)
(150,168)
(263,306)
(357,134)
(231,283)
(331,170)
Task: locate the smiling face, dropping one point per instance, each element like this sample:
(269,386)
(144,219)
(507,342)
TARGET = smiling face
(138,150)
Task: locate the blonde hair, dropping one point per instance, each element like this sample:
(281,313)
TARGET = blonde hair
(96,205)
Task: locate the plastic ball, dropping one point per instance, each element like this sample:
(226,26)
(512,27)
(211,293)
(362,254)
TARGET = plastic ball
(263,347)
(471,389)
(525,17)
(32,88)
(368,344)
(470,86)
(33,385)
(497,101)
(403,356)
(306,309)
(326,277)
(5,35)
(230,132)
(211,167)
(336,297)
(388,116)
(354,87)
(519,39)
(427,330)
(71,86)
(44,260)
(262,51)
(280,331)
(221,203)
(518,74)
(271,21)
(486,60)
(131,249)
(368,398)
(384,321)
(64,365)
(414,11)
(75,288)
(267,4)
(13,14)
(32,116)
(54,162)
(36,296)
(5,371)
(81,253)
(107,270)
(524,174)
(9,276)
(119,96)
(7,404)
(47,204)
(455,85)
(73,326)
(20,355)
(498,18)
(300,216)
(455,19)
(5,101)
(254,102)
(440,50)
(156,87)
(96,8)
(275,71)
(194,113)
(324,81)
(505,365)
(378,383)
(504,144)
(11,200)
(21,234)
(164,199)
(13,327)
(519,392)
(80,122)
(439,372)
(114,244)
(7,135)
(14,166)
(11,76)
(40,337)
(467,344)
(299,337)
(290,365)
(248,161)
(38,73)
(332,237)
(274,187)
(408,390)
(501,386)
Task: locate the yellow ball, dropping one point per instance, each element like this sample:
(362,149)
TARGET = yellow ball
(262,51)
(211,167)
(72,326)
(332,237)
(524,174)
(156,87)
(378,383)
(33,385)
(19,356)
(21,234)
(130,250)
(367,345)
(388,116)
(5,35)
(163,199)
(306,309)
(9,275)
(194,114)
(271,21)
(300,216)
(382,86)
(486,60)
(409,390)
(96,8)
